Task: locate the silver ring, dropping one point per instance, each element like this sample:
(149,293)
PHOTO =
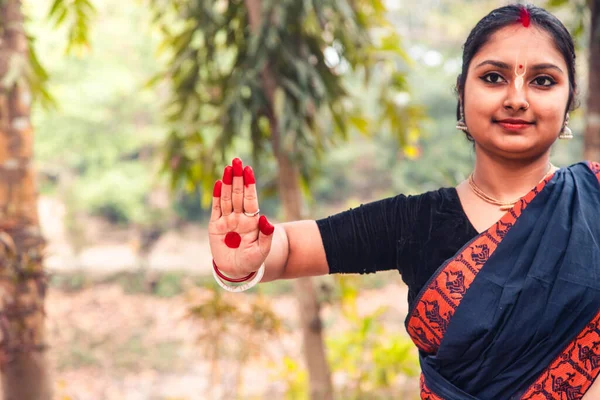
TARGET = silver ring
(254,214)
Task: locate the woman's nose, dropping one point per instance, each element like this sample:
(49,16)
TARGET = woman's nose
(516,99)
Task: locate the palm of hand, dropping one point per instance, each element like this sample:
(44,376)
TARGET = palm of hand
(239,243)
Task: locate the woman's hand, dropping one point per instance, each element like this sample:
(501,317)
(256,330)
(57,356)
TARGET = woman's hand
(239,238)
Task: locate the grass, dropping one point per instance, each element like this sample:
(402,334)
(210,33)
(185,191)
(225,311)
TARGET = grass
(135,354)
(132,355)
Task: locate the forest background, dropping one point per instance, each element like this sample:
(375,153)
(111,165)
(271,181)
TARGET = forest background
(132,311)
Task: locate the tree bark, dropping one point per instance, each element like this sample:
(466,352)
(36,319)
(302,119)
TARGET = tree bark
(22,280)
(321,387)
(592,129)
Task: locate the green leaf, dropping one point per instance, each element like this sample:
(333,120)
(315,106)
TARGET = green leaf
(360,123)
(278,73)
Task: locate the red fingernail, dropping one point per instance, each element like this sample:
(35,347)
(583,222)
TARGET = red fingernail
(249,176)
(237,167)
(233,240)
(265,227)
(217,189)
(228,175)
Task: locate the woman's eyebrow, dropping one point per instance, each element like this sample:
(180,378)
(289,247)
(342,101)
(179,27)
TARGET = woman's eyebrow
(497,64)
(538,67)
(503,65)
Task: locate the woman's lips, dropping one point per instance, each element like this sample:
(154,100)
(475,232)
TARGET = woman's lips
(514,126)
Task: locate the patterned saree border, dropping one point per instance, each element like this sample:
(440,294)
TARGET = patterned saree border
(573,371)
(436,304)
(576,367)
(426,393)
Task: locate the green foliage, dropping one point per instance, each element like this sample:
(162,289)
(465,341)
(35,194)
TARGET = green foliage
(100,146)
(369,355)
(76,16)
(294,377)
(232,328)
(223,77)
(117,194)
(577,11)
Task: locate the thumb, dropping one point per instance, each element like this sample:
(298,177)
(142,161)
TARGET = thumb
(265,236)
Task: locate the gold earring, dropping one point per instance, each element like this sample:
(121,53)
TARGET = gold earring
(566,133)
(461,125)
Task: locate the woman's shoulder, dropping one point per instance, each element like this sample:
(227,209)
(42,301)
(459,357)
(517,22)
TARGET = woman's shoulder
(443,196)
(441,201)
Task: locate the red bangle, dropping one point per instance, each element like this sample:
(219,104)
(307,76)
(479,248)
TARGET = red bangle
(238,280)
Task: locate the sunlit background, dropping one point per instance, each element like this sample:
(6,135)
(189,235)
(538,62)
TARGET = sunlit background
(132,310)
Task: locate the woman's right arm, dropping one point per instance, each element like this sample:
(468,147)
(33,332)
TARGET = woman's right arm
(361,240)
(297,251)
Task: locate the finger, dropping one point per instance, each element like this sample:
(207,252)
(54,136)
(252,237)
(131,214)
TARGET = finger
(250,198)
(237,195)
(226,191)
(216,201)
(265,237)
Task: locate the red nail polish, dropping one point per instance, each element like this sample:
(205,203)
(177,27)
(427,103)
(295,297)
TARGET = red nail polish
(228,175)
(249,176)
(237,167)
(233,240)
(265,227)
(217,189)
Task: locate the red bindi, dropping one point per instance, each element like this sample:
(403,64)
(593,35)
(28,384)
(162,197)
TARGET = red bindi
(520,66)
(233,240)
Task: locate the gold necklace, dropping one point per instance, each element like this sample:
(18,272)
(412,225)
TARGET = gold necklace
(504,205)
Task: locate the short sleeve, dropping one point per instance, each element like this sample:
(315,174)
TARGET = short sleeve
(365,239)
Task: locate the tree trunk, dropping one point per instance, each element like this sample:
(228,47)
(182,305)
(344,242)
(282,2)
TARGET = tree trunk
(321,387)
(592,129)
(22,279)
(312,330)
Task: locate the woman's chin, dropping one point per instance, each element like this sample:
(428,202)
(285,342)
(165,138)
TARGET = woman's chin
(513,146)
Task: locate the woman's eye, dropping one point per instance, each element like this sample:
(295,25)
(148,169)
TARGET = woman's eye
(492,78)
(544,81)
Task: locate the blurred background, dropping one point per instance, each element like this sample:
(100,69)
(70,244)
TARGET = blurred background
(136,106)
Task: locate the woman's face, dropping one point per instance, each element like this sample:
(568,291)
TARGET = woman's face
(510,116)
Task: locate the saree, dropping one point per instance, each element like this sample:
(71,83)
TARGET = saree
(515,314)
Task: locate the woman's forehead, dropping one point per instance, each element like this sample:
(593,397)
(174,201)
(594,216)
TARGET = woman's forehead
(515,42)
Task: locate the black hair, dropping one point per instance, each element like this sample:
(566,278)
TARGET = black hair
(505,16)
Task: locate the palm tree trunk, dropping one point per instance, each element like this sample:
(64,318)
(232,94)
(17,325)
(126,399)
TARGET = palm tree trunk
(23,284)
(592,129)
(321,387)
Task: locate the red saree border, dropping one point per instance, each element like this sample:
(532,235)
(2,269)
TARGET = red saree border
(573,371)
(436,304)
(426,393)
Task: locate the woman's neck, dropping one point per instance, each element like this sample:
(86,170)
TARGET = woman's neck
(506,180)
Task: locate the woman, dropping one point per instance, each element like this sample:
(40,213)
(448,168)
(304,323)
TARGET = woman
(503,270)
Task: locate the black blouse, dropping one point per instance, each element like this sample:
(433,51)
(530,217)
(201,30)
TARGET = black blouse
(413,234)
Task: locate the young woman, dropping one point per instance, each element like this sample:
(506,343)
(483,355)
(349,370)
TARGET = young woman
(503,271)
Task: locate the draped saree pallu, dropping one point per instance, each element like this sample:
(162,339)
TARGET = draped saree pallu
(515,314)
